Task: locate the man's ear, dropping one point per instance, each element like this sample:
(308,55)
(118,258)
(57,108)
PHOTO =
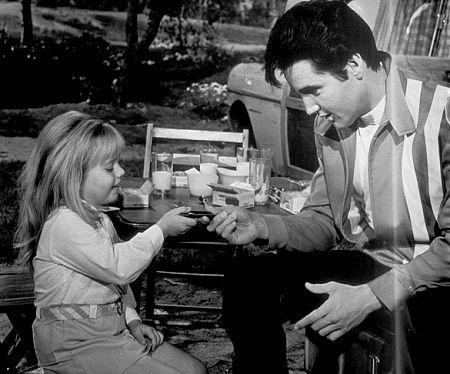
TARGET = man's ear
(355,66)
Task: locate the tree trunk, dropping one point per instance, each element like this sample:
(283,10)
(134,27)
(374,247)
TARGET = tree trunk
(130,58)
(154,19)
(27,23)
(135,48)
(156,11)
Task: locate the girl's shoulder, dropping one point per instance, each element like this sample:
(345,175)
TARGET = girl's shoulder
(66,219)
(62,212)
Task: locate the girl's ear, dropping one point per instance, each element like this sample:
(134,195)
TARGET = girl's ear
(355,66)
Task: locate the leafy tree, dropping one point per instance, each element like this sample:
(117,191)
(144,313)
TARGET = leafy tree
(157,9)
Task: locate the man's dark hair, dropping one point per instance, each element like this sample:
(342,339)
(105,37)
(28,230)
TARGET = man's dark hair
(328,33)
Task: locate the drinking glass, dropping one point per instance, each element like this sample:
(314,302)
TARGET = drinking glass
(162,172)
(259,174)
(242,157)
(209,160)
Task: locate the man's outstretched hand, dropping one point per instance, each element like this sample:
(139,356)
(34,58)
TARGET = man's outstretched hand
(346,307)
(237,225)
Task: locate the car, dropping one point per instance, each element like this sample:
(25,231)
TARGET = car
(415,32)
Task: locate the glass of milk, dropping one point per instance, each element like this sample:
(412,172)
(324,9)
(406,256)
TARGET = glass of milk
(209,160)
(162,172)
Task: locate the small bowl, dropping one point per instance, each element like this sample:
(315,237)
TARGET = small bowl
(228,176)
(198,183)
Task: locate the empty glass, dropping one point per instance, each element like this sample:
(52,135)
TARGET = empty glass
(242,156)
(260,171)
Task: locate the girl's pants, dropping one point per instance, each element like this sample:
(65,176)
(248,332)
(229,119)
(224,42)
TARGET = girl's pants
(104,345)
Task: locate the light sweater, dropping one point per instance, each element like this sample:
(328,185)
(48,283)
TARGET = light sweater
(78,264)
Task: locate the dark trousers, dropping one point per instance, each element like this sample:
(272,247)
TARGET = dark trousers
(263,291)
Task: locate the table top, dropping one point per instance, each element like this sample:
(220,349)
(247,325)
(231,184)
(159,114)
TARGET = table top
(129,221)
(179,196)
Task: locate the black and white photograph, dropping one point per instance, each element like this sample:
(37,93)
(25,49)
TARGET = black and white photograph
(224,186)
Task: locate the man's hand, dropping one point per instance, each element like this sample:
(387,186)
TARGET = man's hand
(147,335)
(346,307)
(237,225)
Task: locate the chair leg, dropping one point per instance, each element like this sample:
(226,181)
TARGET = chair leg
(18,344)
(150,292)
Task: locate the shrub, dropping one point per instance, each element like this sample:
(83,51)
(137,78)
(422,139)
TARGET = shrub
(71,69)
(186,48)
(207,99)
(183,51)
(54,70)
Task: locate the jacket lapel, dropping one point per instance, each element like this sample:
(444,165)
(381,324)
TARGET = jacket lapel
(339,153)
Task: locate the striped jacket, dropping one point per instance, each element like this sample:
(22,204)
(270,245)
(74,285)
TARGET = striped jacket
(409,182)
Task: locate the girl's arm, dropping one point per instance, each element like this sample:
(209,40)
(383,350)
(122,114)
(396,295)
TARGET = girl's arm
(73,243)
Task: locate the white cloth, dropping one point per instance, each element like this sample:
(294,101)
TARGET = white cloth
(361,211)
(78,264)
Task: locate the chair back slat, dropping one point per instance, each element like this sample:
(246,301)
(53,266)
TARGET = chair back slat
(239,138)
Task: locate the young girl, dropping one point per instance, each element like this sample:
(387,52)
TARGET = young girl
(85,318)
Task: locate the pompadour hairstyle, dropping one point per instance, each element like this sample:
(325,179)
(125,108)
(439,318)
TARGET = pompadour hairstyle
(328,33)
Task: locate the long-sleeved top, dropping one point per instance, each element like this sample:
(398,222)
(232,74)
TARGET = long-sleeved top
(408,178)
(78,264)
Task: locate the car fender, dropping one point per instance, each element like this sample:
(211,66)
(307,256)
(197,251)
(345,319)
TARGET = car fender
(252,99)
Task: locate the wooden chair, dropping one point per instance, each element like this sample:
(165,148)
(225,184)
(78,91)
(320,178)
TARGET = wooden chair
(238,138)
(17,302)
(186,161)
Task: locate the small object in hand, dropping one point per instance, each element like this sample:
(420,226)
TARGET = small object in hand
(198,214)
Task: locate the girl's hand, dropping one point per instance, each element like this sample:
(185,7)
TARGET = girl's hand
(147,335)
(172,224)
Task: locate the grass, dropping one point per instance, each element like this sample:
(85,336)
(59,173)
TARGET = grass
(109,25)
(29,122)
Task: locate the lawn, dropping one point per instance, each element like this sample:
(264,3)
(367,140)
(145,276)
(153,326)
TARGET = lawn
(109,25)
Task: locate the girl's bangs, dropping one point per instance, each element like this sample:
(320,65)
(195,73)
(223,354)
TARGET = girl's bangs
(107,146)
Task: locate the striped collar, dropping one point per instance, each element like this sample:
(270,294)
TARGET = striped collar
(397,112)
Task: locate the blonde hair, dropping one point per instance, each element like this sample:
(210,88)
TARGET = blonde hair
(67,147)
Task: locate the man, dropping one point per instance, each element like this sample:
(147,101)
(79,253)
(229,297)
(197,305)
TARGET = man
(382,186)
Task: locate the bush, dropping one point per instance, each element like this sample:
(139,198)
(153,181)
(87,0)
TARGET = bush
(186,50)
(86,69)
(69,69)
(207,99)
